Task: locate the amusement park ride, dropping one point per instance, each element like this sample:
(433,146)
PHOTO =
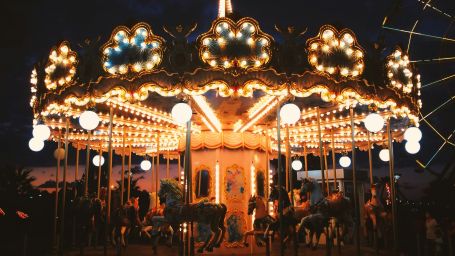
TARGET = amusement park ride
(231,101)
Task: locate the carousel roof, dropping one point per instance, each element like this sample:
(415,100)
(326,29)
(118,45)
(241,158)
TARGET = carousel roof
(234,76)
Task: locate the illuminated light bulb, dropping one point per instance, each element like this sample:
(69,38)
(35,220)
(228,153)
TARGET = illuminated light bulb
(146,165)
(225,25)
(313,59)
(64,49)
(325,48)
(96,160)
(344,72)
(314,46)
(320,67)
(297,165)
(137,67)
(331,70)
(239,34)
(290,113)
(226,64)
(412,147)
(41,132)
(349,51)
(89,120)
(327,34)
(250,41)
(355,73)
(257,63)
(243,63)
(413,134)
(181,113)
(374,122)
(36,144)
(345,161)
(264,41)
(155,58)
(213,63)
(348,38)
(221,40)
(397,54)
(384,155)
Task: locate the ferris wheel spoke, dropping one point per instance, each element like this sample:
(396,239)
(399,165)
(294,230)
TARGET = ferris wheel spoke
(437,151)
(437,132)
(437,108)
(438,81)
(425,61)
(437,10)
(443,38)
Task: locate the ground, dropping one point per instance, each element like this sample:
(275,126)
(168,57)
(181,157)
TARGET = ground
(139,250)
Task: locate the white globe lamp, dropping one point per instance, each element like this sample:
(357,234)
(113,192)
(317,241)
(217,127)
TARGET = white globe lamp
(59,153)
(96,160)
(146,165)
(36,144)
(41,131)
(289,113)
(89,120)
(384,155)
(413,134)
(345,161)
(181,113)
(374,122)
(297,165)
(412,147)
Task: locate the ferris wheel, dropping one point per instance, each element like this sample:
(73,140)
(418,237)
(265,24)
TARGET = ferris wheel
(428,30)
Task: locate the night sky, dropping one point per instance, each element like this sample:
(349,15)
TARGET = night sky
(31,28)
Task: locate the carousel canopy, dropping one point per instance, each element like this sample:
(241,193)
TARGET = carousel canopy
(234,76)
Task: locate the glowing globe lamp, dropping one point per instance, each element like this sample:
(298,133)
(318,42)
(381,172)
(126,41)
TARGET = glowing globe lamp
(289,113)
(36,144)
(297,165)
(374,122)
(41,131)
(345,161)
(412,147)
(96,160)
(181,113)
(89,120)
(413,134)
(384,155)
(146,165)
(59,153)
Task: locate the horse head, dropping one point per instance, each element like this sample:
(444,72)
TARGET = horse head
(307,186)
(251,204)
(170,191)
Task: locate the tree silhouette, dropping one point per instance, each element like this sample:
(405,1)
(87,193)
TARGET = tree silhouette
(15,181)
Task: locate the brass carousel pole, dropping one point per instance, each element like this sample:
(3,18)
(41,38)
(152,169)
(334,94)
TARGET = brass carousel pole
(167,165)
(178,167)
(280,182)
(370,160)
(122,175)
(128,194)
(157,177)
(321,160)
(392,186)
(109,174)
(57,172)
(326,170)
(267,166)
(287,165)
(87,164)
(99,170)
(334,166)
(76,172)
(305,157)
(188,183)
(354,182)
(62,213)
(153,170)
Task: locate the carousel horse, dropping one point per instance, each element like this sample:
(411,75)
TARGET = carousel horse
(124,219)
(375,213)
(155,226)
(289,220)
(262,220)
(177,212)
(87,212)
(335,206)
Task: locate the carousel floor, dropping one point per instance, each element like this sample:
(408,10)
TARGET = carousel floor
(139,250)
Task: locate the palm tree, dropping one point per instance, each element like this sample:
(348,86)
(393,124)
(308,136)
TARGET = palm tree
(16,181)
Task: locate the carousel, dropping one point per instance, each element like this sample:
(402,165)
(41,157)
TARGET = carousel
(227,104)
